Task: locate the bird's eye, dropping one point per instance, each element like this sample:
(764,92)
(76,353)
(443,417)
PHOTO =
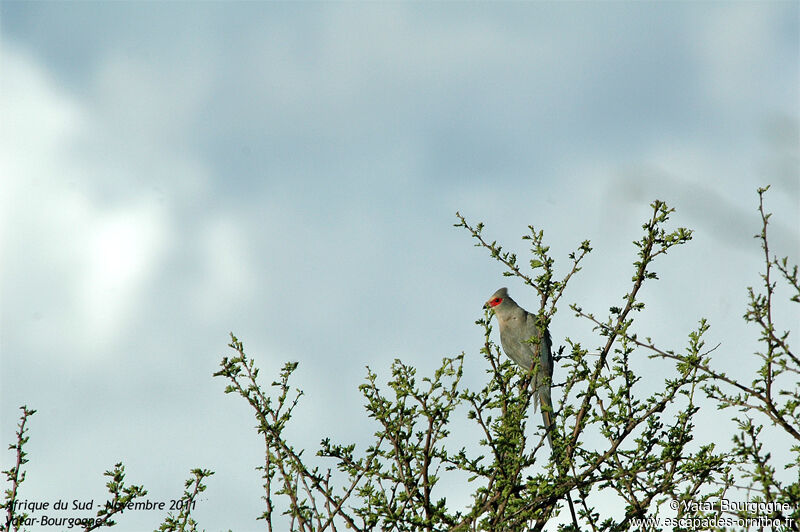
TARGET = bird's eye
(496,301)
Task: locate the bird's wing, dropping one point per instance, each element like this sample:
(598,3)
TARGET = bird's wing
(516,349)
(544,352)
(544,349)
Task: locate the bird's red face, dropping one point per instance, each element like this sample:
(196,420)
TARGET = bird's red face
(494,302)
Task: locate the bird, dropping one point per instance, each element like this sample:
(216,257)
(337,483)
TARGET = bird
(517,329)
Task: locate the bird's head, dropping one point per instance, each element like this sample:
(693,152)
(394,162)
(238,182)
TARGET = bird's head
(497,299)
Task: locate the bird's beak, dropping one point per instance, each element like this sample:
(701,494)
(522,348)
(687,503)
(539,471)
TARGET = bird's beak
(486,305)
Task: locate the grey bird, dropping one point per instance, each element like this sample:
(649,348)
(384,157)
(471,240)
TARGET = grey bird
(517,328)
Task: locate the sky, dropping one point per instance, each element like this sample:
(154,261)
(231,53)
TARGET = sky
(171,172)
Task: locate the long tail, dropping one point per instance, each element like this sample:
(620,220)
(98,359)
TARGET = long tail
(547,417)
(547,411)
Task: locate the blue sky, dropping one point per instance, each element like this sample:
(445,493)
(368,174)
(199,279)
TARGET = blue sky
(291,172)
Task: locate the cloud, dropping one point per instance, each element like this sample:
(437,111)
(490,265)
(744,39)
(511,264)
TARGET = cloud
(291,173)
(121,250)
(77,256)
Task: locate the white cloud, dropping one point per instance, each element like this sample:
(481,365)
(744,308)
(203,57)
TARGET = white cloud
(74,255)
(121,249)
(36,115)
